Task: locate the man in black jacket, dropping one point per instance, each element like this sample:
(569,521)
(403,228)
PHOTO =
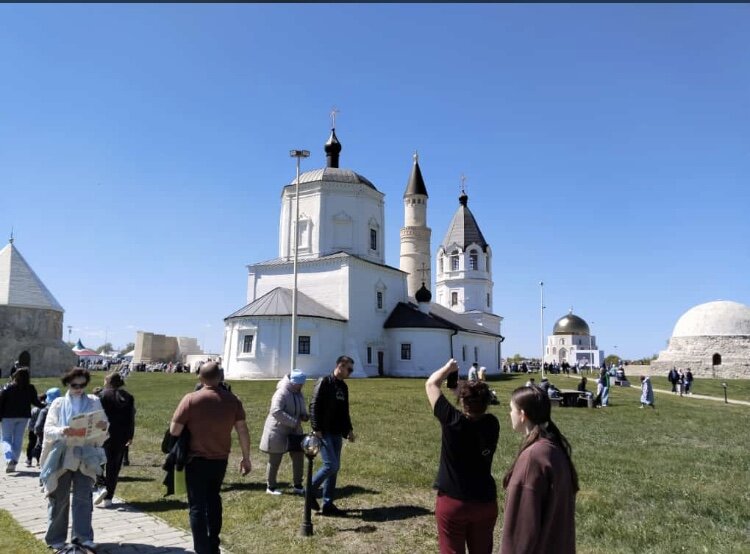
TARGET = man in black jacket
(330,421)
(119,406)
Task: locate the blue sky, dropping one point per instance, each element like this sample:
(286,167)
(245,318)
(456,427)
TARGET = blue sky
(143,149)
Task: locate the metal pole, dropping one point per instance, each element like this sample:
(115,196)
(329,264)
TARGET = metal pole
(307,526)
(541,318)
(295,154)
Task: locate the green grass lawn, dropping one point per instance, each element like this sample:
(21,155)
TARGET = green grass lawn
(16,539)
(674,479)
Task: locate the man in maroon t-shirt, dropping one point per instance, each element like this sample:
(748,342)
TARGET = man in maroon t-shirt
(209,414)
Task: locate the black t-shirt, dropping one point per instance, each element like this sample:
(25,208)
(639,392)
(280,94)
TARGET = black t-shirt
(466,453)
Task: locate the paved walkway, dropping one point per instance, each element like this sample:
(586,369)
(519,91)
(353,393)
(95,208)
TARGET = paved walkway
(119,529)
(704,397)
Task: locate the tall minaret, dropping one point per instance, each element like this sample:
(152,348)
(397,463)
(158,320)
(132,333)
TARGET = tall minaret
(415,234)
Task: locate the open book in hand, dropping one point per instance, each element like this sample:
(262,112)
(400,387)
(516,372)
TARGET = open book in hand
(88,428)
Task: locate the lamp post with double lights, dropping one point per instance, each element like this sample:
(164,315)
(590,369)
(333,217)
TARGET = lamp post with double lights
(311,447)
(591,347)
(299,154)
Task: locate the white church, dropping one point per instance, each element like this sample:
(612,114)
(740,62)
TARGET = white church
(350,301)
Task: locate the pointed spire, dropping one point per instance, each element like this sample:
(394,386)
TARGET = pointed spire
(333,146)
(416,185)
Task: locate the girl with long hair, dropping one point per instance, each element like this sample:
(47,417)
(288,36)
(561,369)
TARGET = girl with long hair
(542,482)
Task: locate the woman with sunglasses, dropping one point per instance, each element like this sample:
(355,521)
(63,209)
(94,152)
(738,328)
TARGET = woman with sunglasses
(66,462)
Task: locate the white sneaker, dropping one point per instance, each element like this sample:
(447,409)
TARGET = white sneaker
(100,496)
(275,492)
(106,503)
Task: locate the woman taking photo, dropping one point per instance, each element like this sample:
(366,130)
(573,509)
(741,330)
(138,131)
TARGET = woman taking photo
(541,484)
(466,504)
(69,458)
(15,410)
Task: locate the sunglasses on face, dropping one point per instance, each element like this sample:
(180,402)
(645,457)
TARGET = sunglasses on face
(77,385)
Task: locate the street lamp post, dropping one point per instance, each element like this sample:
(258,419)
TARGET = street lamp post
(299,154)
(591,348)
(311,447)
(541,329)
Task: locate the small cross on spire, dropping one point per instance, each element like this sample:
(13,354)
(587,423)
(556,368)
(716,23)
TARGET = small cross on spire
(423,271)
(11,236)
(334,111)
(416,156)
(463,184)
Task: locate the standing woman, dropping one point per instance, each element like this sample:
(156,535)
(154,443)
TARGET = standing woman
(466,503)
(15,410)
(283,425)
(64,465)
(542,482)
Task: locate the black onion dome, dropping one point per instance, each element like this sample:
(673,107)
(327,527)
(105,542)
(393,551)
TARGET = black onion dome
(423,294)
(332,149)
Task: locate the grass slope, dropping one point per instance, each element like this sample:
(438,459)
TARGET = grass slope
(674,479)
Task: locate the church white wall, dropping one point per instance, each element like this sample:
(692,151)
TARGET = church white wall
(365,318)
(333,217)
(270,356)
(472,285)
(325,282)
(430,349)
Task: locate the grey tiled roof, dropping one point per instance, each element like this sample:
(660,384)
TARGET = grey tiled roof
(409,316)
(20,286)
(333,174)
(463,229)
(334,256)
(279,302)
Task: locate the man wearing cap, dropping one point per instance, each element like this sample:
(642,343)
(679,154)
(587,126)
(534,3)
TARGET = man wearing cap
(329,417)
(209,415)
(282,431)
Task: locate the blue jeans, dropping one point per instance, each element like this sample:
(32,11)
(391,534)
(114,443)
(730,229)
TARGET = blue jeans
(59,504)
(203,478)
(14,430)
(330,452)
(605,396)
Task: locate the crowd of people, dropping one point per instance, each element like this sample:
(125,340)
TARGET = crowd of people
(681,380)
(80,464)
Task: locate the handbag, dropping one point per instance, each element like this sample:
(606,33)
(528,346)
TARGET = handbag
(294,442)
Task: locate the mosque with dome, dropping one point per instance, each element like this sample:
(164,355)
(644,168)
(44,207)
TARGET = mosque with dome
(350,301)
(712,339)
(571,341)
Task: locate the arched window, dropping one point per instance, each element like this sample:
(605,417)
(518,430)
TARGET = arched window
(473,260)
(441,264)
(716,359)
(454,299)
(454,260)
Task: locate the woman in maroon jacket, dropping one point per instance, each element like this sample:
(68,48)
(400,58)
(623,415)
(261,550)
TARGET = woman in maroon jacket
(542,482)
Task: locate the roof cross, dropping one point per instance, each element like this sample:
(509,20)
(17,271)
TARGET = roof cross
(463,184)
(334,111)
(11,236)
(423,271)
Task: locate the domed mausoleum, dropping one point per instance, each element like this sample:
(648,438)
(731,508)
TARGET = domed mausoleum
(712,339)
(571,341)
